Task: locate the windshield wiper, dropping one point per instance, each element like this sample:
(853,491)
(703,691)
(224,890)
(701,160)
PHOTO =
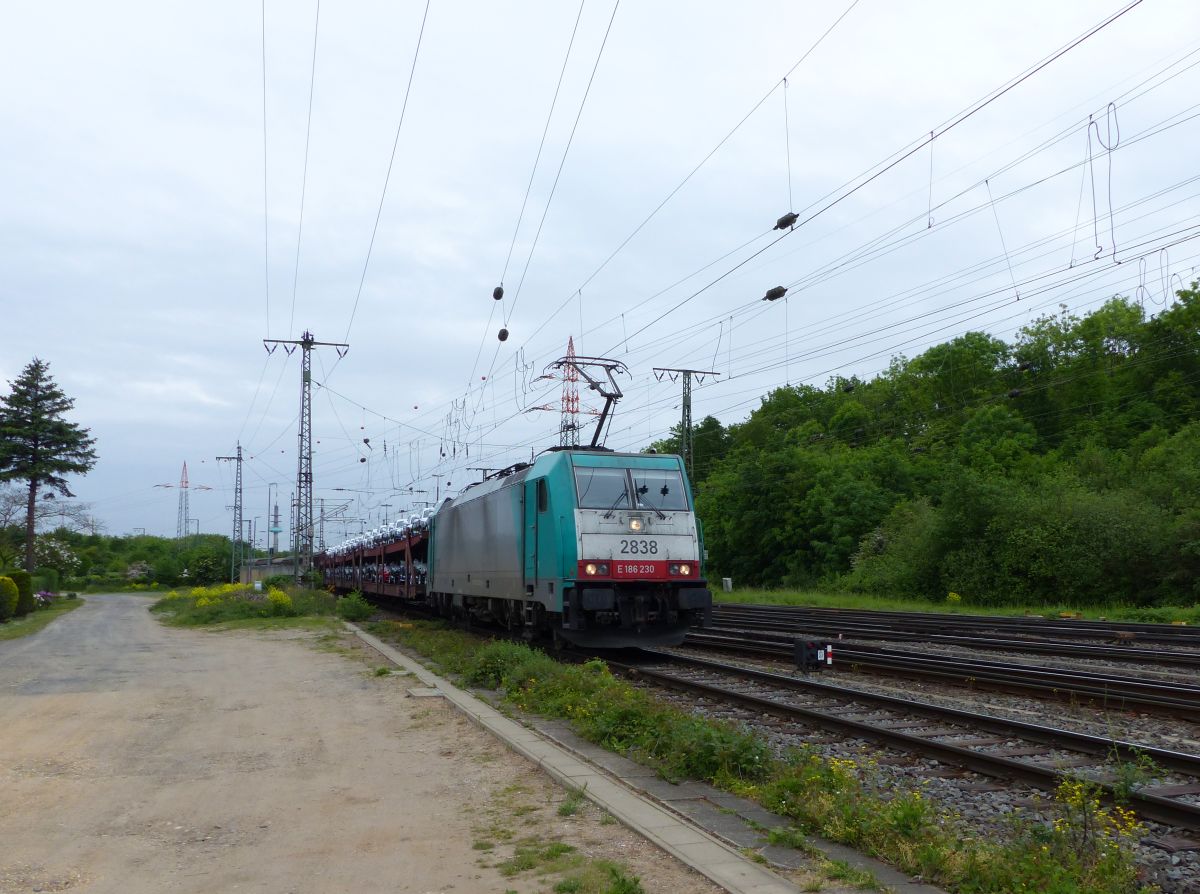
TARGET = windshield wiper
(623,495)
(642,491)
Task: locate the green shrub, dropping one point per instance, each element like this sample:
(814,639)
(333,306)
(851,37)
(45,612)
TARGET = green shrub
(24,581)
(46,579)
(8,598)
(353,607)
(279,581)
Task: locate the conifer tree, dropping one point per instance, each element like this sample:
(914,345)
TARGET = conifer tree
(37,445)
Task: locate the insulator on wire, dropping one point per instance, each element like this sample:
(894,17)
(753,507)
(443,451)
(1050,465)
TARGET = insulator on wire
(1016,392)
(498,292)
(786,221)
(775,294)
(502,335)
(362,459)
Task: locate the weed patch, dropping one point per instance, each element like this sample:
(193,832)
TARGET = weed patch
(226,603)
(571,804)
(352,607)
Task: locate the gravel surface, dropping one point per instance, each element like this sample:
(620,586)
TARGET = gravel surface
(986,806)
(137,759)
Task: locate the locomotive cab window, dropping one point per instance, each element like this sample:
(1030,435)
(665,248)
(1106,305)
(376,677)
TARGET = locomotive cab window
(659,489)
(602,488)
(543,495)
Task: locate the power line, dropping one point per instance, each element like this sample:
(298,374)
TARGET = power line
(528,188)
(387,178)
(682,183)
(312,80)
(562,162)
(266,216)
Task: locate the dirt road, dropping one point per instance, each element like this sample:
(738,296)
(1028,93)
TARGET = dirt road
(137,758)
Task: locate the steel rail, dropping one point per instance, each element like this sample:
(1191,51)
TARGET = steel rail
(1115,692)
(1152,807)
(833,629)
(1173,760)
(1080,628)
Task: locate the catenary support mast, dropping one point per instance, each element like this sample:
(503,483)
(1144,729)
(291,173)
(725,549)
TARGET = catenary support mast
(686,444)
(302,531)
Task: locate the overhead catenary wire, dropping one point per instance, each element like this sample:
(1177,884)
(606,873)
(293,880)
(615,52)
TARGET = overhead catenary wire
(1163,74)
(266,209)
(529,186)
(682,183)
(388,176)
(573,295)
(562,162)
(312,81)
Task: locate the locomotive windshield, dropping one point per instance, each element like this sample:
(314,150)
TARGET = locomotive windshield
(609,489)
(659,489)
(602,488)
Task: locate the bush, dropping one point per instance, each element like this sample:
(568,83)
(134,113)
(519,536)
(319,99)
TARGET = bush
(280,603)
(278,581)
(24,582)
(8,598)
(353,607)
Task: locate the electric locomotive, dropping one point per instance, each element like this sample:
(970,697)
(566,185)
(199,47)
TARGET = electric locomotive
(599,548)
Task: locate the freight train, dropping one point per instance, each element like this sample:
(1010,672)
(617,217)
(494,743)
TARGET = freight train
(601,549)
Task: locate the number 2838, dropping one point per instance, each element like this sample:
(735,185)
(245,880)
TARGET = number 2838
(639,547)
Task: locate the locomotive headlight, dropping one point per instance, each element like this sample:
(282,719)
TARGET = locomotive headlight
(590,568)
(636,524)
(604,568)
(685,569)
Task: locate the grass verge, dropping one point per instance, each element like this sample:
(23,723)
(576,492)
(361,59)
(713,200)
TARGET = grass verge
(35,621)
(1085,848)
(819,599)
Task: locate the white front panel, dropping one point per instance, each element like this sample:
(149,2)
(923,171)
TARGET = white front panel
(614,537)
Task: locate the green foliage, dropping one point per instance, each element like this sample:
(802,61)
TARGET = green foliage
(1062,467)
(353,607)
(38,445)
(24,581)
(8,598)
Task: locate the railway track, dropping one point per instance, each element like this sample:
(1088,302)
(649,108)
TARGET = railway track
(835,628)
(1120,633)
(948,735)
(1176,700)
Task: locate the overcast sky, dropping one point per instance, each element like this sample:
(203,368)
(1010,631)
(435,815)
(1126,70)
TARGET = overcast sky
(133,256)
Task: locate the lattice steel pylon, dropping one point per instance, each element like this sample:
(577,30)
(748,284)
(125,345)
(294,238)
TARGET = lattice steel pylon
(181,526)
(568,426)
(302,531)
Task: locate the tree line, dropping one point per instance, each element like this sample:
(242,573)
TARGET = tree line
(1061,467)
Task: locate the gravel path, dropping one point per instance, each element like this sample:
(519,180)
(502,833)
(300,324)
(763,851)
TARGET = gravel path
(137,758)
